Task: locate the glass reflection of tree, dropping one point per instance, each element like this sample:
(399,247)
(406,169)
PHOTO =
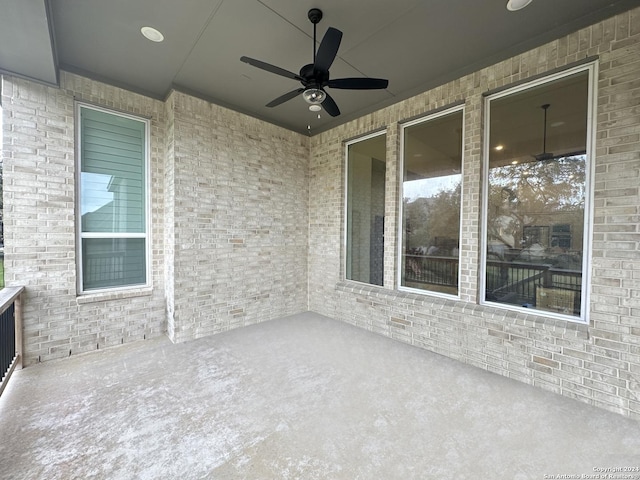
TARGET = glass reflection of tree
(430,217)
(526,194)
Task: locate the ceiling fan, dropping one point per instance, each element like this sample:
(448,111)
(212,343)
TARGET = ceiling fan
(315,76)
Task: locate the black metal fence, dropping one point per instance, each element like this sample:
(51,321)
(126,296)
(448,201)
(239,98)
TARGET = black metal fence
(7,339)
(10,333)
(104,269)
(518,283)
(433,270)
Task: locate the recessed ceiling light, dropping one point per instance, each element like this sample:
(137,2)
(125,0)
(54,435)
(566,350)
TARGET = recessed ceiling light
(315,107)
(499,147)
(152,34)
(514,5)
(556,124)
(515,162)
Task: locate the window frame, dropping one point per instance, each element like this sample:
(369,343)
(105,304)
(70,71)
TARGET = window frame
(424,119)
(345,233)
(80,235)
(592,69)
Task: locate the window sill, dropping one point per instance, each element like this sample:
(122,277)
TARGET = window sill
(113,295)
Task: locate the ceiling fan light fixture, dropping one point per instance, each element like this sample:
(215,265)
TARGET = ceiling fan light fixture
(314,96)
(515,5)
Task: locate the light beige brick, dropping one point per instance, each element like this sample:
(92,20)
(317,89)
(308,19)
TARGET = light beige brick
(563,351)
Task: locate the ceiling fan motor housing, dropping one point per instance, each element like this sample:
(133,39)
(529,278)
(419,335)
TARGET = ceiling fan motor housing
(315,15)
(314,78)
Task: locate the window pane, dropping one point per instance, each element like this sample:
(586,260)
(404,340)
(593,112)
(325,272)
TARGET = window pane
(366,170)
(431,204)
(113,262)
(112,197)
(536,196)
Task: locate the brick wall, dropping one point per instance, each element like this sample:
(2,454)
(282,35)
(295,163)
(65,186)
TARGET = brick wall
(597,364)
(169,217)
(229,235)
(39,220)
(240,219)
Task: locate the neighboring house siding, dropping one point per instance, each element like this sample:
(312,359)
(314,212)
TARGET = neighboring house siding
(229,220)
(597,364)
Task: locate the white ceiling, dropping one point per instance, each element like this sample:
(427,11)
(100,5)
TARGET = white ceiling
(416,44)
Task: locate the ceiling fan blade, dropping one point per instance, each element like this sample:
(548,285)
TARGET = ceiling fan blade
(330,106)
(270,68)
(359,83)
(328,49)
(286,97)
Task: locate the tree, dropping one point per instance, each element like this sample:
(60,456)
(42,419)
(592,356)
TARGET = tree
(540,193)
(429,220)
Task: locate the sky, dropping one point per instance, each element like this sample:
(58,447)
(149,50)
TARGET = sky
(429,187)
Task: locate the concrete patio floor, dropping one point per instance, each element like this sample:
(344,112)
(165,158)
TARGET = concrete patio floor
(301,397)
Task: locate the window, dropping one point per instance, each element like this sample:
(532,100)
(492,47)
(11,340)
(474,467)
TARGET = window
(431,191)
(536,195)
(112,151)
(366,171)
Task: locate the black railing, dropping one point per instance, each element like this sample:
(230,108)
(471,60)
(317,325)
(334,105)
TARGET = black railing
(432,270)
(104,268)
(10,333)
(7,338)
(520,283)
(514,280)
(516,283)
